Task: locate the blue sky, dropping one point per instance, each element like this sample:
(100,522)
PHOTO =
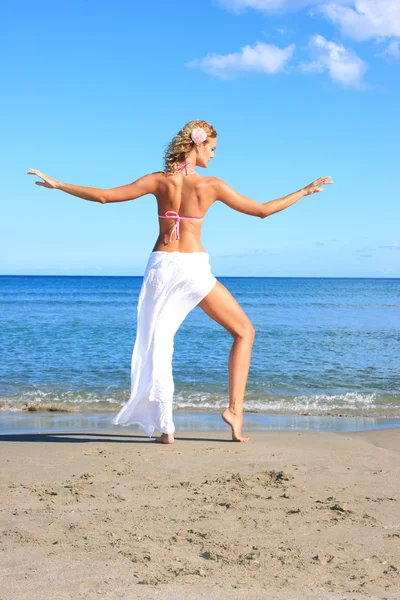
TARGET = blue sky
(94,91)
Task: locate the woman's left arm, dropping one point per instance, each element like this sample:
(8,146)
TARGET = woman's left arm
(142,186)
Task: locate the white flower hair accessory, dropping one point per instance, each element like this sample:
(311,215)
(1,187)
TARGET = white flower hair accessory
(198,135)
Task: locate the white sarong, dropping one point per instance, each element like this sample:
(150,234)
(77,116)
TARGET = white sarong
(173,284)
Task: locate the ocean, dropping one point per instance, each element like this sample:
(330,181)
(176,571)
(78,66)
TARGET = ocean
(323,346)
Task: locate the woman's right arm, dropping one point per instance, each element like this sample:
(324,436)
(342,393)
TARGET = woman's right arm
(226,194)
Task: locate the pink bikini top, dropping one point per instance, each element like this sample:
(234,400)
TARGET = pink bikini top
(172,214)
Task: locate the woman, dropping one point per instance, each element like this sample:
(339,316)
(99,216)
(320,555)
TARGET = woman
(178,276)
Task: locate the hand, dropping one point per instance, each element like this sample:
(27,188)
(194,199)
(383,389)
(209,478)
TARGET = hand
(315,185)
(48,181)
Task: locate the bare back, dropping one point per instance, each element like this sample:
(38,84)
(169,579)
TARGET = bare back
(190,196)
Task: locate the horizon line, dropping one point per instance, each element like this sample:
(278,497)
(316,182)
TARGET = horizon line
(217,276)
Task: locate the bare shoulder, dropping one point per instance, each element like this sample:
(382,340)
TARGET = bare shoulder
(213,180)
(157,179)
(211,186)
(220,188)
(214,183)
(156,175)
(150,179)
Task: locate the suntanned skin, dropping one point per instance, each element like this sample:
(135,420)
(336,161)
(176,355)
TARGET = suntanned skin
(191,195)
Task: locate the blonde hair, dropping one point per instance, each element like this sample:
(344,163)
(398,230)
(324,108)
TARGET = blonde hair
(182,144)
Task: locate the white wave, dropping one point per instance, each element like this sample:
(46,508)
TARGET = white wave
(352,402)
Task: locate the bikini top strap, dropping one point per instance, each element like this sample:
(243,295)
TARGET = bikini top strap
(172,214)
(182,166)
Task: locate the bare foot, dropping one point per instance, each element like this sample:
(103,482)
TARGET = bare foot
(165,438)
(236,423)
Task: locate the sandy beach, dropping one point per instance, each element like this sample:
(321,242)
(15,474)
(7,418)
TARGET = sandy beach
(286,516)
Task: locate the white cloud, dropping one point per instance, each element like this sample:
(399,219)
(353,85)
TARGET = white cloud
(266,5)
(367,19)
(393,50)
(394,246)
(262,58)
(269,6)
(357,19)
(344,66)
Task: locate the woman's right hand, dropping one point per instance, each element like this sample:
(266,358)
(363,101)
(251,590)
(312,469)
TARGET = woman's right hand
(315,186)
(48,181)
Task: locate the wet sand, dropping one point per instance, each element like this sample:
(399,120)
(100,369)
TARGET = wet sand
(288,515)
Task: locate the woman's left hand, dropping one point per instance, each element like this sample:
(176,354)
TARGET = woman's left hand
(49,182)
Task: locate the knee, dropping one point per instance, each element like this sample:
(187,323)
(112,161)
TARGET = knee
(252,332)
(247,332)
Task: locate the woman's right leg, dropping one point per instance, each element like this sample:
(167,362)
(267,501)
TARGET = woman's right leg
(222,307)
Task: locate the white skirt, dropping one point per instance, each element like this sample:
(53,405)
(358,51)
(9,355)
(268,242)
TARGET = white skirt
(173,284)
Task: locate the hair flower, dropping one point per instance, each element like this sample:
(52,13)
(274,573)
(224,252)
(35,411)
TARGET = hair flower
(198,135)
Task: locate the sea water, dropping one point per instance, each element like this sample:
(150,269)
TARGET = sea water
(323,346)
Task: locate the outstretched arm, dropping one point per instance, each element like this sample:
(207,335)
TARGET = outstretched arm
(142,186)
(241,203)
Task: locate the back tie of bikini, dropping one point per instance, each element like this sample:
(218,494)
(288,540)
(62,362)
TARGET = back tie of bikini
(172,214)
